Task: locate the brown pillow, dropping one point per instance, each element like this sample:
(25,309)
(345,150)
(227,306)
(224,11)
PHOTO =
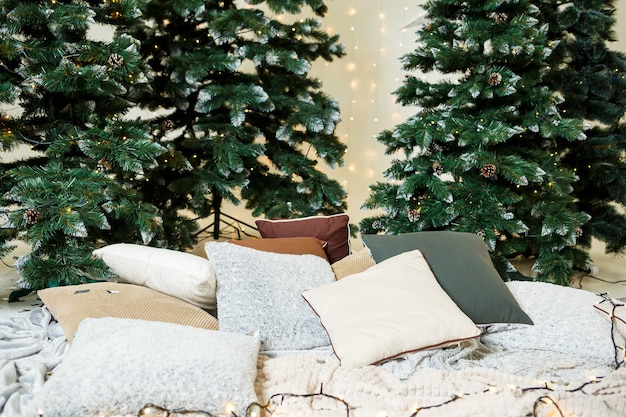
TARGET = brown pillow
(353,264)
(332,229)
(71,304)
(288,245)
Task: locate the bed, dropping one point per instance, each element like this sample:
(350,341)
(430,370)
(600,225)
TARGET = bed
(301,336)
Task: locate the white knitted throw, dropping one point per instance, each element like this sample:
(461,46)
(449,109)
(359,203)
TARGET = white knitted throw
(473,392)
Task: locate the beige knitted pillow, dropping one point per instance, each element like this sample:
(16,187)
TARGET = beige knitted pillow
(353,264)
(72,304)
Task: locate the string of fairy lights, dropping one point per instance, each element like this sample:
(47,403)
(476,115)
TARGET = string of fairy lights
(375,37)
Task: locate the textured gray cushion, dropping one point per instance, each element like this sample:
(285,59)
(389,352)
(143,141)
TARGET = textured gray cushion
(117,366)
(463,267)
(261,291)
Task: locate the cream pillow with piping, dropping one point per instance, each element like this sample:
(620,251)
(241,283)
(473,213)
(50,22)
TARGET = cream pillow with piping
(387,311)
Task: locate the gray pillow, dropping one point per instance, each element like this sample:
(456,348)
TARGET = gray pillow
(262,291)
(463,267)
(116,366)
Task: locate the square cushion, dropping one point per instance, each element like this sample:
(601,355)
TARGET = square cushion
(391,309)
(606,308)
(353,264)
(117,366)
(260,291)
(464,269)
(291,245)
(332,229)
(72,304)
(180,274)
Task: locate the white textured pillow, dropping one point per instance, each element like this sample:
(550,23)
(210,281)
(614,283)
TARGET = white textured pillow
(179,274)
(117,366)
(392,308)
(260,291)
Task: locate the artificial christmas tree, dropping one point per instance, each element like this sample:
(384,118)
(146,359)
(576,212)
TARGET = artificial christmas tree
(63,95)
(593,85)
(236,109)
(7,233)
(482,154)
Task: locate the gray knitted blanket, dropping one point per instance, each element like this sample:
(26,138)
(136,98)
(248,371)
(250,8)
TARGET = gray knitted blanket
(31,345)
(569,341)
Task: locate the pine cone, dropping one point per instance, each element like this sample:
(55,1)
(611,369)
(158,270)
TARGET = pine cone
(167,125)
(488,170)
(32,216)
(494,79)
(414,215)
(104,165)
(116,60)
(501,17)
(481,233)
(437,168)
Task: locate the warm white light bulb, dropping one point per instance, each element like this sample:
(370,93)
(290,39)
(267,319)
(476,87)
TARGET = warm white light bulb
(229,408)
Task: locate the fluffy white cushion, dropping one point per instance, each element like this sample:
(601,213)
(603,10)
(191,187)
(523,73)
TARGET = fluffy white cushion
(260,291)
(392,308)
(117,366)
(179,274)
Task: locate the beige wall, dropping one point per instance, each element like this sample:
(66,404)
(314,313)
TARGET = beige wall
(620,27)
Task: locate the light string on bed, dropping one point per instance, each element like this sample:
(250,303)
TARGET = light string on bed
(255,408)
(545,399)
(282,396)
(616,348)
(152,410)
(451,400)
(542,400)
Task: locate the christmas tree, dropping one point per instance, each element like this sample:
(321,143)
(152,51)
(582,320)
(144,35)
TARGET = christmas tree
(593,84)
(64,96)
(482,154)
(7,232)
(236,109)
